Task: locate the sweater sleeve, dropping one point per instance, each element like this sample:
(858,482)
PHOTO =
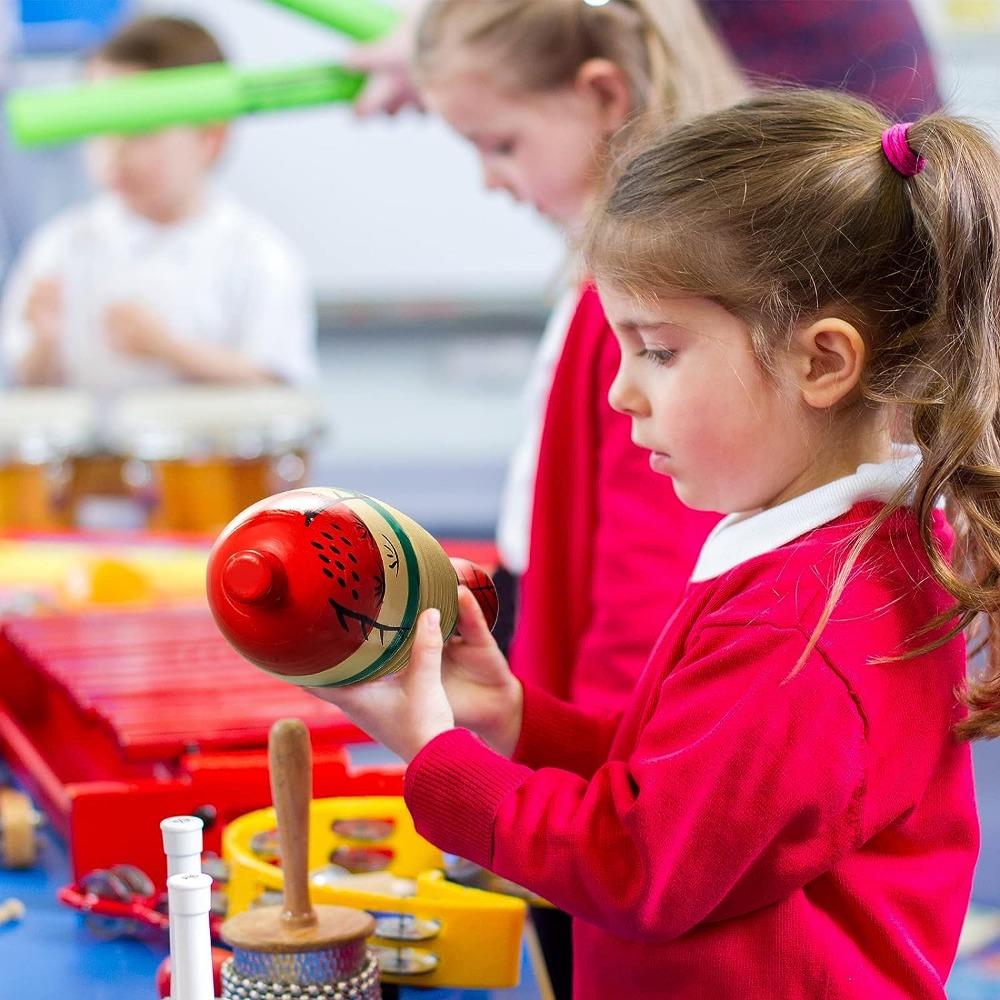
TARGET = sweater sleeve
(742,785)
(555,733)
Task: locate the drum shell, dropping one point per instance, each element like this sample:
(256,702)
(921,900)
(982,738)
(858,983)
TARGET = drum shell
(195,456)
(44,436)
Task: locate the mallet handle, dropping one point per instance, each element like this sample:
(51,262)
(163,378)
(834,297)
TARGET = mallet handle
(290,764)
(156,99)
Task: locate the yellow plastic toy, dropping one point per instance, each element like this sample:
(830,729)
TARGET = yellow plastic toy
(445,935)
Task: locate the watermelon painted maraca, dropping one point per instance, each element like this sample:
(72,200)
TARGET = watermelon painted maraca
(323,586)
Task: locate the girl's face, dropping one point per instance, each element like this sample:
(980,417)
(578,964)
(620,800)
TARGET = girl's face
(159,175)
(729,438)
(545,149)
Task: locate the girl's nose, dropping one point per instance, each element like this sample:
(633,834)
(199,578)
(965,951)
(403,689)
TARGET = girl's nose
(494,179)
(624,395)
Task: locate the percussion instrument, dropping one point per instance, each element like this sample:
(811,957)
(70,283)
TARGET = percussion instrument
(323,586)
(429,930)
(43,432)
(194,456)
(283,950)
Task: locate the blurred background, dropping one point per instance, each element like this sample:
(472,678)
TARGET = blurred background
(432,291)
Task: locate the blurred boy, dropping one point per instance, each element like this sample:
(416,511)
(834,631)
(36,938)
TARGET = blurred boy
(158,279)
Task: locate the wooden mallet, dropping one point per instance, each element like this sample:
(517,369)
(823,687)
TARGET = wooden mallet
(297,950)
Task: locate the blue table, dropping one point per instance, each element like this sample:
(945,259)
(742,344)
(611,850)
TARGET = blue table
(51,954)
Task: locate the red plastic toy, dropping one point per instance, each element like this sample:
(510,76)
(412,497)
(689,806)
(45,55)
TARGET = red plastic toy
(121,901)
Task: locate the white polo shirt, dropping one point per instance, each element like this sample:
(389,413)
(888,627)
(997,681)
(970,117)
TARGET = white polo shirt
(223,277)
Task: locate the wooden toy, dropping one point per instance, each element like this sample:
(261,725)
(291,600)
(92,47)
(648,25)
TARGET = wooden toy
(282,950)
(18,824)
(473,576)
(322,587)
(11,910)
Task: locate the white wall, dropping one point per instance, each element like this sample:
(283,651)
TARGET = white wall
(965,37)
(383,209)
(392,209)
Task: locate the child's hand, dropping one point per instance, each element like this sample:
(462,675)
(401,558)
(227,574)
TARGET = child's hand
(405,710)
(43,311)
(484,695)
(389,86)
(133,329)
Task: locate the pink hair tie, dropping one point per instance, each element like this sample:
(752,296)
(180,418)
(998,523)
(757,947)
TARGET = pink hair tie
(897,151)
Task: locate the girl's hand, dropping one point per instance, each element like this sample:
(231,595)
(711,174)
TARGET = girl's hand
(484,695)
(406,710)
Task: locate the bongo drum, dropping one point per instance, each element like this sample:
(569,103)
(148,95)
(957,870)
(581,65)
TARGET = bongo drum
(195,456)
(43,433)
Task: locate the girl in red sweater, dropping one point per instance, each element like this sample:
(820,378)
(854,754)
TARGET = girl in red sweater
(806,300)
(543,90)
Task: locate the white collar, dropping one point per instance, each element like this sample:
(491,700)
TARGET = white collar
(739,537)
(140,230)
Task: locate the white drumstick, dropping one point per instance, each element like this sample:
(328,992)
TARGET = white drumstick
(189,898)
(182,844)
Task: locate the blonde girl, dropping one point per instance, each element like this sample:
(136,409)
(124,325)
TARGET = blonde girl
(546,91)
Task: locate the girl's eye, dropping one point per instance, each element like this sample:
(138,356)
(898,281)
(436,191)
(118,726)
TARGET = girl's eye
(658,356)
(500,148)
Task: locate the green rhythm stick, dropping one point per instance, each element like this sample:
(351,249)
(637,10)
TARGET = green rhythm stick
(190,95)
(363,20)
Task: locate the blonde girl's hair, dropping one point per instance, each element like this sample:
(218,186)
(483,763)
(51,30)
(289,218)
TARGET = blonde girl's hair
(674,64)
(785,207)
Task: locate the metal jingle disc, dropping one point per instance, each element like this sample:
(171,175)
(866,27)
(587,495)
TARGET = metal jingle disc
(405,927)
(406,961)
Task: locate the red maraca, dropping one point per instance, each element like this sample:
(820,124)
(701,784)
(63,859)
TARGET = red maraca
(323,586)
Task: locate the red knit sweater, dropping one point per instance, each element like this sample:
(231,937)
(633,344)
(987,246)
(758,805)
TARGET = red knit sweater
(610,541)
(743,832)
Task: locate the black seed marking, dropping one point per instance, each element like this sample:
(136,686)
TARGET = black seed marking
(367,624)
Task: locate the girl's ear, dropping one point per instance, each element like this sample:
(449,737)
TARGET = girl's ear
(832,354)
(603,80)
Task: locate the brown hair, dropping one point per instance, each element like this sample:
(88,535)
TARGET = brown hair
(670,57)
(785,205)
(160,43)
